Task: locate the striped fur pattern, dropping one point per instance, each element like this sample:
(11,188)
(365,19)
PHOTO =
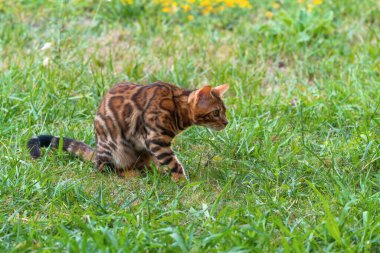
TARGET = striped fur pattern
(135,126)
(72,146)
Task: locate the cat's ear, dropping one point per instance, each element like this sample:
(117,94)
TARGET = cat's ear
(201,94)
(221,89)
(204,92)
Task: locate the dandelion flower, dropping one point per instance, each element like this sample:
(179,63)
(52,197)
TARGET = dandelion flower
(207,10)
(276,6)
(185,7)
(244,4)
(317,2)
(229,3)
(269,14)
(190,17)
(309,7)
(166,9)
(127,2)
(205,3)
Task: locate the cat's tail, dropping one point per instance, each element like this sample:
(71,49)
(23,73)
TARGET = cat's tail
(74,147)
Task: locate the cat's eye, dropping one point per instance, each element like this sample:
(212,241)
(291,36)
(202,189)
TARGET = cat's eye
(216,113)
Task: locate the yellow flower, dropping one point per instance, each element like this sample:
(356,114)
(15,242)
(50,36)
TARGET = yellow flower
(269,14)
(244,4)
(317,2)
(206,6)
(166,9)
(207,10)
(169,6)
(276,6)
(204,3)
(229,3)
(126,1)
(186,7)
(309,7)
(190,17)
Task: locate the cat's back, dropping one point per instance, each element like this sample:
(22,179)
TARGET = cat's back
(129,99)
(125,90)
(137,95)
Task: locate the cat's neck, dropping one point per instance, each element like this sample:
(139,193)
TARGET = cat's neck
(183,110)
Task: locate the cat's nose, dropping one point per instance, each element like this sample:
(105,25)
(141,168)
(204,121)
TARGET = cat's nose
(225,122)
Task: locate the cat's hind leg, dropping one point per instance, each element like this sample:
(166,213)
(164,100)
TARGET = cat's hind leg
(103,162)
(141,162)
(132,163)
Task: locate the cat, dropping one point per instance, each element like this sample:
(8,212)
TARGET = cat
(135,125)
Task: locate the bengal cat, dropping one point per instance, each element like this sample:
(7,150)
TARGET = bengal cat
(135,125)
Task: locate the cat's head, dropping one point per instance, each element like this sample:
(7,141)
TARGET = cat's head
(207,107)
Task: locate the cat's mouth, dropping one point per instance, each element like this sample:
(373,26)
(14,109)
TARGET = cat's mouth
(217,127)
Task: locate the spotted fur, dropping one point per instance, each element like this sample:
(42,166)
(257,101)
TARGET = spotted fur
(135,126)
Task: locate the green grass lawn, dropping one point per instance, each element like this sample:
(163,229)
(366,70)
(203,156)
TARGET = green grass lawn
(296,170)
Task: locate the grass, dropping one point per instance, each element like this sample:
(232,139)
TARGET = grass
(296,170)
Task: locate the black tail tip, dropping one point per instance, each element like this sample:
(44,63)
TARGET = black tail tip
(34,147)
